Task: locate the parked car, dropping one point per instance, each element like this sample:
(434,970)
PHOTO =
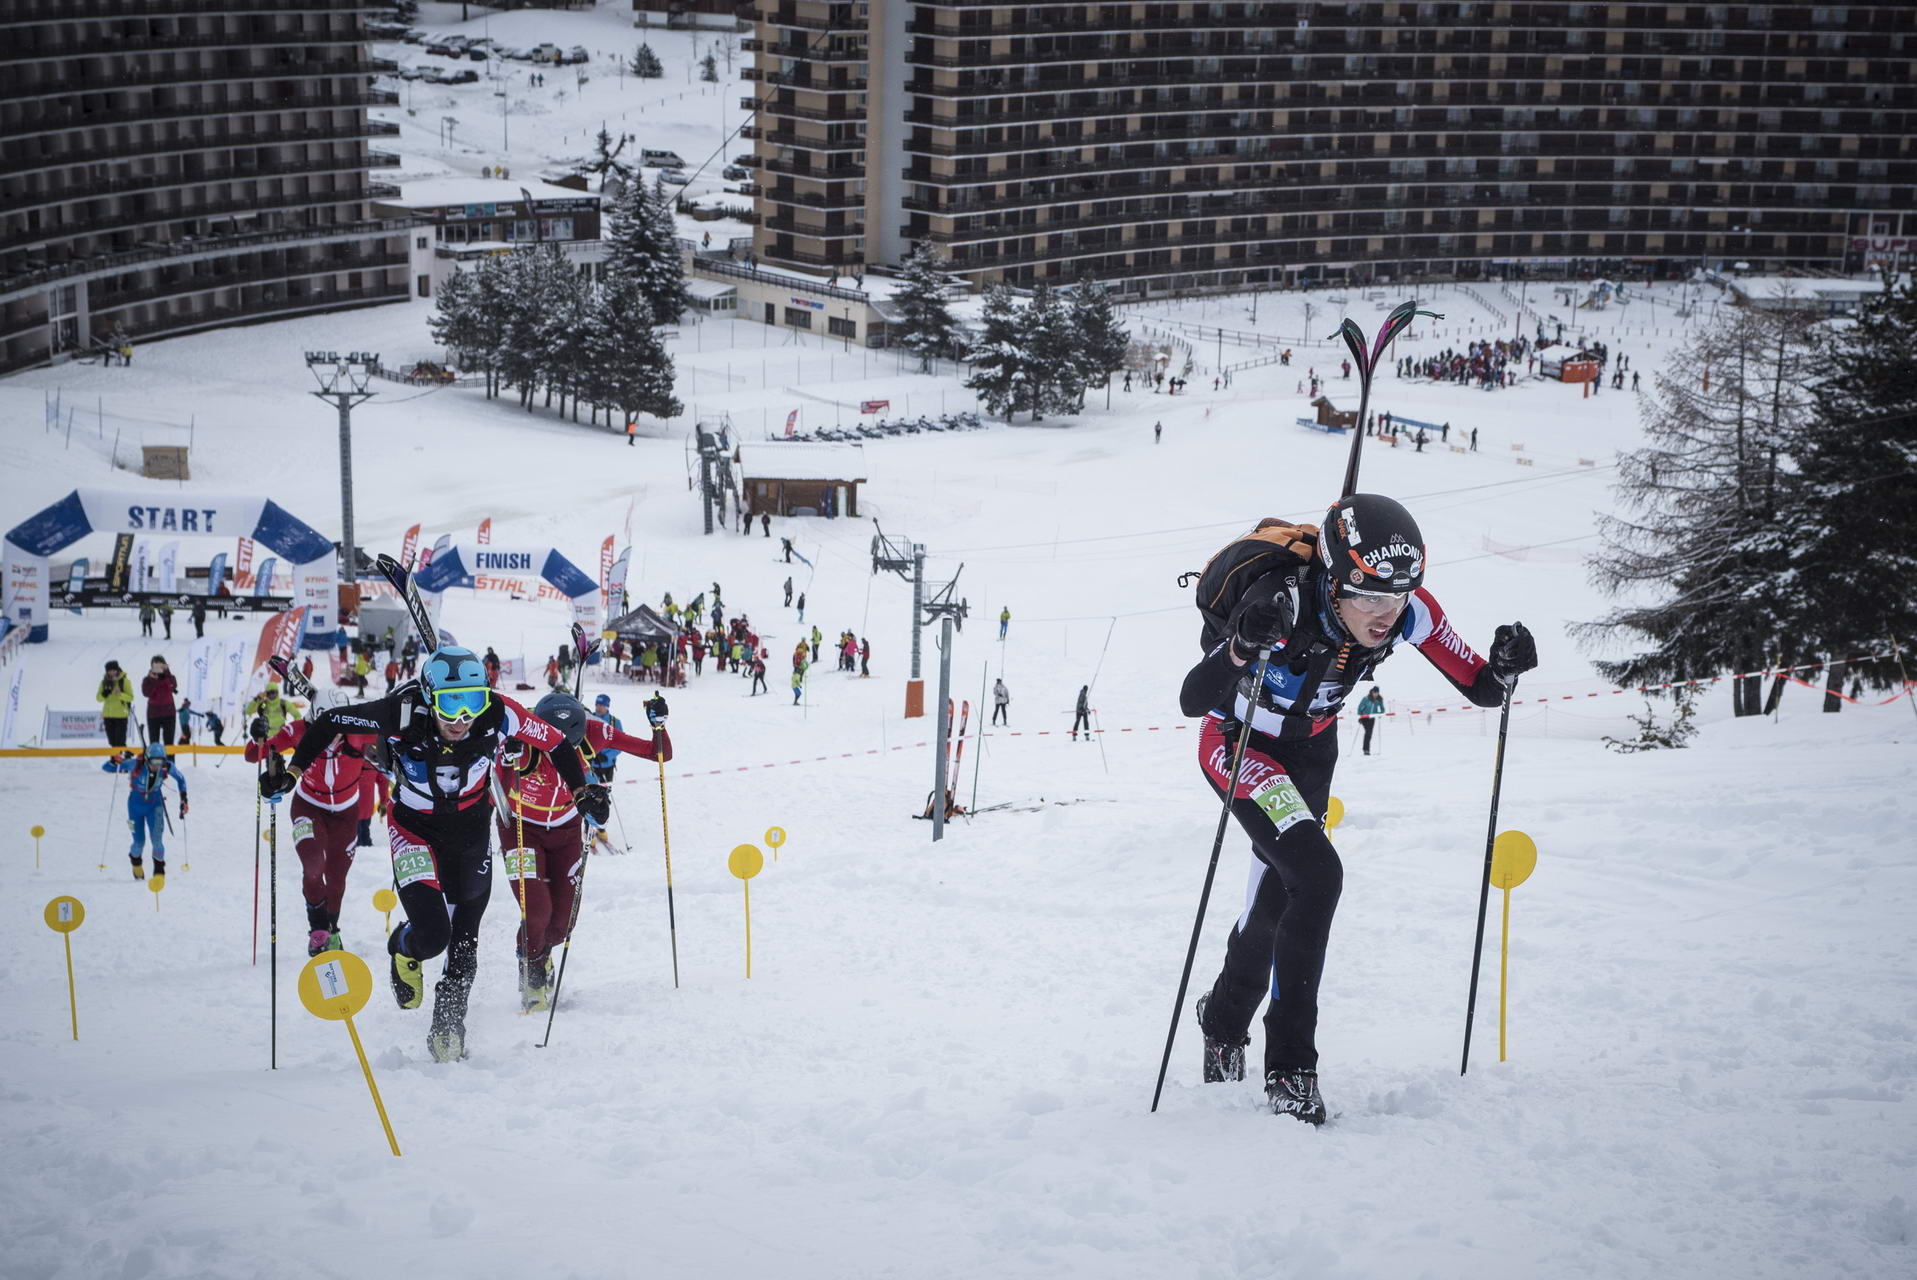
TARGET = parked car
(414,36)
(465,75)
(515,52)
(737,173)
(410,73)
(476,53)
(443,49)
(675,177)
(652,159)
(545,53)
(432,75)
(577,54)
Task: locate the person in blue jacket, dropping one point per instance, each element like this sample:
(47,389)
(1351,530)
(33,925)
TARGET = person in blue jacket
(605,762)
(146,802)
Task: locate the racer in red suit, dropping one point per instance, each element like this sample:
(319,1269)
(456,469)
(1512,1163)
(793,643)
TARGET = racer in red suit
(328,800)
(541,830)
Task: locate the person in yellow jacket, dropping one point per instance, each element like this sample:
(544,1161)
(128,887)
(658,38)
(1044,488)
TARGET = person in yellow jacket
(273,709)
(115,697)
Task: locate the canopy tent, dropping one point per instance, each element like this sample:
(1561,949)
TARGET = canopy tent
(643,624)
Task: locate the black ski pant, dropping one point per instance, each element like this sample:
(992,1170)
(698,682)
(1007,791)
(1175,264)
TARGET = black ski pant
(1000,714)
(442,870)
(1367,724)
(1082,719)
(1278,944)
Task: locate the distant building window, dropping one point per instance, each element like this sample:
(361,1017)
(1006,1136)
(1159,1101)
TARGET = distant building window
(839,327)
(425,286)
(798,317)
(420,243)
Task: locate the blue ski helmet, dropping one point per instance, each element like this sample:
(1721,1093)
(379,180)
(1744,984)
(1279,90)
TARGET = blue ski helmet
(156,751)
(454,682)
(563,712)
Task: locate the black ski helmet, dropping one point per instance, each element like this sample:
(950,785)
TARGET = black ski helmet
(1369,544)
(563,712)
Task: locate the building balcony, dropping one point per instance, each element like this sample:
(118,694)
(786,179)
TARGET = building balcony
(842,19)
(799,257)
(37,277)
(836,83)
(97,188)
(819,173)
(113,46)
(192,282)
(799,142)
(17,165)
(811,199)
(802,51)
(791,225)
(847,114)
(70,86)
(65,119)
(21,13)
(275,303)
(129,220)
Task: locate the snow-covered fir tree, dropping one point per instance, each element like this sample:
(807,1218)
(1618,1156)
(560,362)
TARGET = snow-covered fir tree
(1101,344)
(709,68)
(645,63)
(642,243)
(1852,521)
(1048,340)
(925,325)
(999,363)
(629,368)
(1694,552)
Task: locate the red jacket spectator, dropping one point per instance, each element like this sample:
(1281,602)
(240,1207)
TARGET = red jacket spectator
(159,688)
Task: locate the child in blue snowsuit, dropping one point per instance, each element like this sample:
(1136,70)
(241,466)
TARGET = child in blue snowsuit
(146,802)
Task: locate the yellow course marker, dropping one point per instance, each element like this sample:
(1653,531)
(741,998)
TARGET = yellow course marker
(63,916)
(745,862)
(154,885)
(36,833)
(335,985)
(1514,856)
(385,900)
(1334,813)
(775,836)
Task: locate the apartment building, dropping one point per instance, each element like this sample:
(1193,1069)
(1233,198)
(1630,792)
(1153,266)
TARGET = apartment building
(1179,146)
(172,165)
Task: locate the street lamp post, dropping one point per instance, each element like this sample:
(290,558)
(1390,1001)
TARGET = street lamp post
(342,382)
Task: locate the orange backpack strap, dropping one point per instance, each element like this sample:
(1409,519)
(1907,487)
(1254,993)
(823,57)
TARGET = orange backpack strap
(1299,540)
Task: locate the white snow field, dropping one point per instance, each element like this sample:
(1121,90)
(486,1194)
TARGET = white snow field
(942,1063)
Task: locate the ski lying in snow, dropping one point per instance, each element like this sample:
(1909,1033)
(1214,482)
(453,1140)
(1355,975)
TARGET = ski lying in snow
(292,677)
(396,573)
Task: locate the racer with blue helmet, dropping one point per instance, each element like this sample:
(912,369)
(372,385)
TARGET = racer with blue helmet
(443,733)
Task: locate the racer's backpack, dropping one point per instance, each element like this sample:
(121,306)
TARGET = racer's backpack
(1273,547)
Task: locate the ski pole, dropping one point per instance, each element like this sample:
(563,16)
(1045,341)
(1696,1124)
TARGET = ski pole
(257,775)
(106,836)
(519,892)
(1211,871)
(273,913)
(665,830)
(1484,889)
(565,949)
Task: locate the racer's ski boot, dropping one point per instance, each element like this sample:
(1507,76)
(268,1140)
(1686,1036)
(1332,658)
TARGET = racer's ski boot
(1295,1093)
(1224,1059)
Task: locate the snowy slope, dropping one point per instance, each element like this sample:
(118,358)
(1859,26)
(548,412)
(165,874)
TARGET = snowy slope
(942,1063)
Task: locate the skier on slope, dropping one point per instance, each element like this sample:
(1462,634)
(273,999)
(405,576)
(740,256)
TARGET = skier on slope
(1337,603)
(325,811)
(146,803)
(443,733)
(541,831)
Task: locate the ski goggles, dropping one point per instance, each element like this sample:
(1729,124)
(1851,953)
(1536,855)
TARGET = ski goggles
(1375,604)
(461,704)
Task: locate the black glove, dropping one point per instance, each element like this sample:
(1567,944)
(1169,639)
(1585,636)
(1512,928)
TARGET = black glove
(1513,652)
(275,783)
(656,711)
(1262,619)
(595,801)
(257,729)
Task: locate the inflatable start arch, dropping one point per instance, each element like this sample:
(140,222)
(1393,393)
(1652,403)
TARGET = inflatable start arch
(313,556)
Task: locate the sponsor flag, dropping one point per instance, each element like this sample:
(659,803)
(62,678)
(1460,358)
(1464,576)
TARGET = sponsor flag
(216,574)
(13,707)
(120,568)
(445,540)
(616,584)
(170,566)
(278,635)
(409,546)
(243,569)
(232,676)
(486,531)
(792,422)
(874,406)
(263,583)
(605,573)
(140,567)
(77,581)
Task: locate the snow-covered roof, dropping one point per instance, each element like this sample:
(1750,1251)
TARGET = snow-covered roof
(434,193)
(802,461)
(1805,288)
(709,288)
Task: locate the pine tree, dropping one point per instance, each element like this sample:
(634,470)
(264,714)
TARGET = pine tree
(1100,343)
(643,244)
(645,63)
(454,323)
(1698,556)
(629,367)
(709,69)
(1000,369)
(1852,550)
(1048,339)
(925,321)
(604,162)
